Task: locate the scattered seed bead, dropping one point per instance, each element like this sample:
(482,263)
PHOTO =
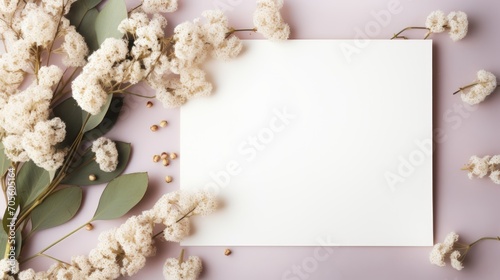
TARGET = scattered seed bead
(89,226)
(163,123)
(173,155)
(227,252)
(149,104)
(156,158)
(164,155)
(92,177)
(165,162)
(168,179)
(154,127)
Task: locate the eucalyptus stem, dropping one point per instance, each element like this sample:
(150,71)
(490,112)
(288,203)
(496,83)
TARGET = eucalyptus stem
(233,30)
(497,238)
(464,87)
(41,252)
(409,28)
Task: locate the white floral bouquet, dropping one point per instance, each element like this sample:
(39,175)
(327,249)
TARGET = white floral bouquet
(65,72)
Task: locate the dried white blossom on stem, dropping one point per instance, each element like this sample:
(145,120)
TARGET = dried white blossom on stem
(458,24)
(106,154)
(478,90)
(482,166)
(123,251)
(453,250)
(180,269)
(455,22)
(436,22)
(268,20)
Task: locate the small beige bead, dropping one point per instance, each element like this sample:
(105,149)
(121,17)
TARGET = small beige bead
(89,226)
(154,127)
(156,158)
(163,123)
(168,179)
(165,162)
(227,252)
(164,155)
(149,104)
(92,177)
(173,155)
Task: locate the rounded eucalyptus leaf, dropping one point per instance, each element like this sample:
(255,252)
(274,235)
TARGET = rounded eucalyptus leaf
(120,195)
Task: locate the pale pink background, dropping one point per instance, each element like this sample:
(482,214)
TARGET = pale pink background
(469,207)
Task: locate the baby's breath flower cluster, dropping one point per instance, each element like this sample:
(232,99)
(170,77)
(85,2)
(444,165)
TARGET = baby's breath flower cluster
(482,166)
(455,23)
(453,250)
(169,65)
(478,90)
(179,269)
(123,251)
(268,21)
(106,154)
(27,30)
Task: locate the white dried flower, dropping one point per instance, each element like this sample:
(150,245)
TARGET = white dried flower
(40,144)
(438,254)
(106,154)
(187,270)
(87,92)
(436,22)
(441,250)
(75,48)
(216,27)
(134,21)
(268,21)
(456,263)
(494,160)
(478,167)
(48,76)
(495,176)
(485,84)
(228,49)
(195,83)
(14,149)
(7,267)
(27,107)
(170,98)
(8,6)
(189,44)
(39,27)
(177,230)
(458,24)
(159,6)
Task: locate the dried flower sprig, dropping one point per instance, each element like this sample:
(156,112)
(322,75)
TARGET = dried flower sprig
(453,250)
(123,251)
(180,269)
(456,23)
(482,166)
(477,91)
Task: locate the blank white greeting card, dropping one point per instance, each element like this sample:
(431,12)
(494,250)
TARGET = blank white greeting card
(314,142)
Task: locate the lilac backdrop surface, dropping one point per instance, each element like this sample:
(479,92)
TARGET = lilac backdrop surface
(469,207)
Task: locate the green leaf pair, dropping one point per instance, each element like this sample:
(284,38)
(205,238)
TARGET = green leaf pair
(96,26)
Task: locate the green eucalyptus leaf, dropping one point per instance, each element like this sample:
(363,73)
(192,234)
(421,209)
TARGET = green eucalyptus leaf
(120,195)
(106,24)
(30,182)
(86,165)
(95,120)
(87,29)
(79,9)
(3,242)
(108,121)
(4,161)
(57,208)
(71,114)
